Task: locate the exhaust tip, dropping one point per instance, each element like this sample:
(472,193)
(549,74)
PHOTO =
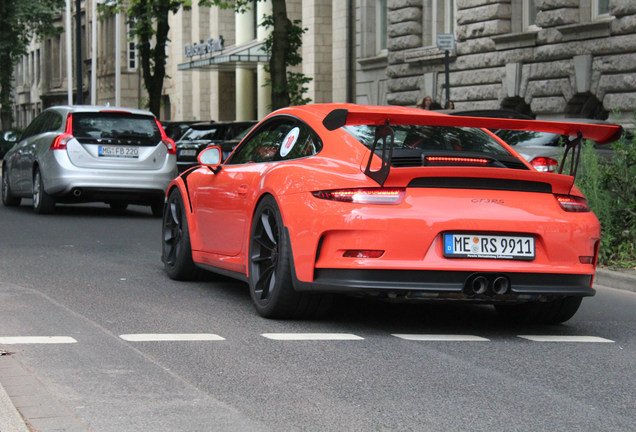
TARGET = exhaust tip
(478,286)
(500,285)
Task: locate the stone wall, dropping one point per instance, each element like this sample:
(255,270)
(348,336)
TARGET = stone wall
(570,64)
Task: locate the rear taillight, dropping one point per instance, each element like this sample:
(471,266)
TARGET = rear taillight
(364,196)
(168,142)
(571,203)
(60,141)
(544,164)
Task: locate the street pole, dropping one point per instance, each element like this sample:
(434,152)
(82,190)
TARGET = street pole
(69,54)
(94,53)
(78,48)
(447,67)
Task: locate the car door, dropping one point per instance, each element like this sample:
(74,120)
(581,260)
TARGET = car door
(22,159)
(224,201)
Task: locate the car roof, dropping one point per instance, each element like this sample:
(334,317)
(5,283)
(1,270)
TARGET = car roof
(100,108)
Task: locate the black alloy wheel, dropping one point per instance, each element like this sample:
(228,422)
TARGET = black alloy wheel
(8,199)
(270,274)
(176,252)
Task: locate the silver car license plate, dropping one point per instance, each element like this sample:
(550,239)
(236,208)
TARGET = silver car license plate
(118,151)
(467,245)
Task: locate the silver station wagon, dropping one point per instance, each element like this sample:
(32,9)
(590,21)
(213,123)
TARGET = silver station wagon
(76,154)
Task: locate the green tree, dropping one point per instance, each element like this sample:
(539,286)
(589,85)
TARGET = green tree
(20,22)
(149,24)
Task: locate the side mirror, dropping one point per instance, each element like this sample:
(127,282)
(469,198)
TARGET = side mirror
(10,136)
(210,157)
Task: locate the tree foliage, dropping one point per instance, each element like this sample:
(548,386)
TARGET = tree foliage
(20,22)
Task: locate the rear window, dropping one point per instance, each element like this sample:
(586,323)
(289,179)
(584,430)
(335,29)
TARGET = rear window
(434,138)
(529,138)
(201,134)
(118,127)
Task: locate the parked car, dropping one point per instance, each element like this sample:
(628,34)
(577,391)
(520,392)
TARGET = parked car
(544,150)
(175,129)
(73,154)
(7,140)
(199,136)
(390,202)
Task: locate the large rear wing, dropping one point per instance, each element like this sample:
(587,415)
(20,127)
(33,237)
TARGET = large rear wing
(381,116)
(601,133)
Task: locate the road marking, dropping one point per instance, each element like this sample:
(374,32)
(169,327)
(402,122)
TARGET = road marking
(441,338)
(14,340)
(311,336)
(545,338)
(163,337)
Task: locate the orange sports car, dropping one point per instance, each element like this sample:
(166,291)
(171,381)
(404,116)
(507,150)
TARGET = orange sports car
(391,202)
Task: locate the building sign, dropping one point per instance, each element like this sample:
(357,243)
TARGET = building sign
(446,41)
(203,48)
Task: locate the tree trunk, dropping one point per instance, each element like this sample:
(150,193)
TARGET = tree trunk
(277,64)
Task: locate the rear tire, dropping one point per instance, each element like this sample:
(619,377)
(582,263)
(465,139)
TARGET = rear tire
(43,203)
(270,274)
(176,251)
(554,312)
(8,199)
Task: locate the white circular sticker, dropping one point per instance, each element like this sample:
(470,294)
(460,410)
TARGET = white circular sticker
(289,142)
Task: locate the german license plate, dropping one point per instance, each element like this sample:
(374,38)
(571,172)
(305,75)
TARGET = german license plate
(467,245)
(187,152)
(118,151)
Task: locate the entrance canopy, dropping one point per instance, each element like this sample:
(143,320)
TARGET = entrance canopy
(251,52)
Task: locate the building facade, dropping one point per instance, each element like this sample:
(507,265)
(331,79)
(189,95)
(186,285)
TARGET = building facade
(547,58)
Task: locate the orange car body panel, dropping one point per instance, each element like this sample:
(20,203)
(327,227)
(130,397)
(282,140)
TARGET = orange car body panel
(220,205)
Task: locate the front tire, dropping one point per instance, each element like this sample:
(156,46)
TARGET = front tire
(8,199)
(554,312)
(270,274)
(176,251)
(43,203)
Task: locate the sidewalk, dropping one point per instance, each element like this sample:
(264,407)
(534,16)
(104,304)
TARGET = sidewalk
(58,419)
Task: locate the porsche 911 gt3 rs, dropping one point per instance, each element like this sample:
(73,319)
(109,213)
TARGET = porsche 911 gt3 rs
(391,202)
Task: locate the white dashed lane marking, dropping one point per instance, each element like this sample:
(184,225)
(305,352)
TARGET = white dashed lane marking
(441,338)
(580,339)
(311,336)
(171,337)
(209,337)
(16,340)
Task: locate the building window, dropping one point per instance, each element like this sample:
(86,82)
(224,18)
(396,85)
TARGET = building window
(381,25)
(529,14)
(131,52)
(600,8)
(439,17)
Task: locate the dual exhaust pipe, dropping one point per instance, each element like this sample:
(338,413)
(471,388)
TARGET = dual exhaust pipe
(489,285)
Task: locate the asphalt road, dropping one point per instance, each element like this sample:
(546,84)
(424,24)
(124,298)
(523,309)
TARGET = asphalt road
(91,282)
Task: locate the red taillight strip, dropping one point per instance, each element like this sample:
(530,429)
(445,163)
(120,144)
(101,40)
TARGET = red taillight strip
(168,142)
(454,159)
(571,203)
(364,196)
(59,143)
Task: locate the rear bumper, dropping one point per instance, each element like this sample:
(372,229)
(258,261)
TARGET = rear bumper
(63,180)
(421,284)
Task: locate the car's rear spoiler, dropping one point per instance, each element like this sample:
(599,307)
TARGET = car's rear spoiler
(601,133)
